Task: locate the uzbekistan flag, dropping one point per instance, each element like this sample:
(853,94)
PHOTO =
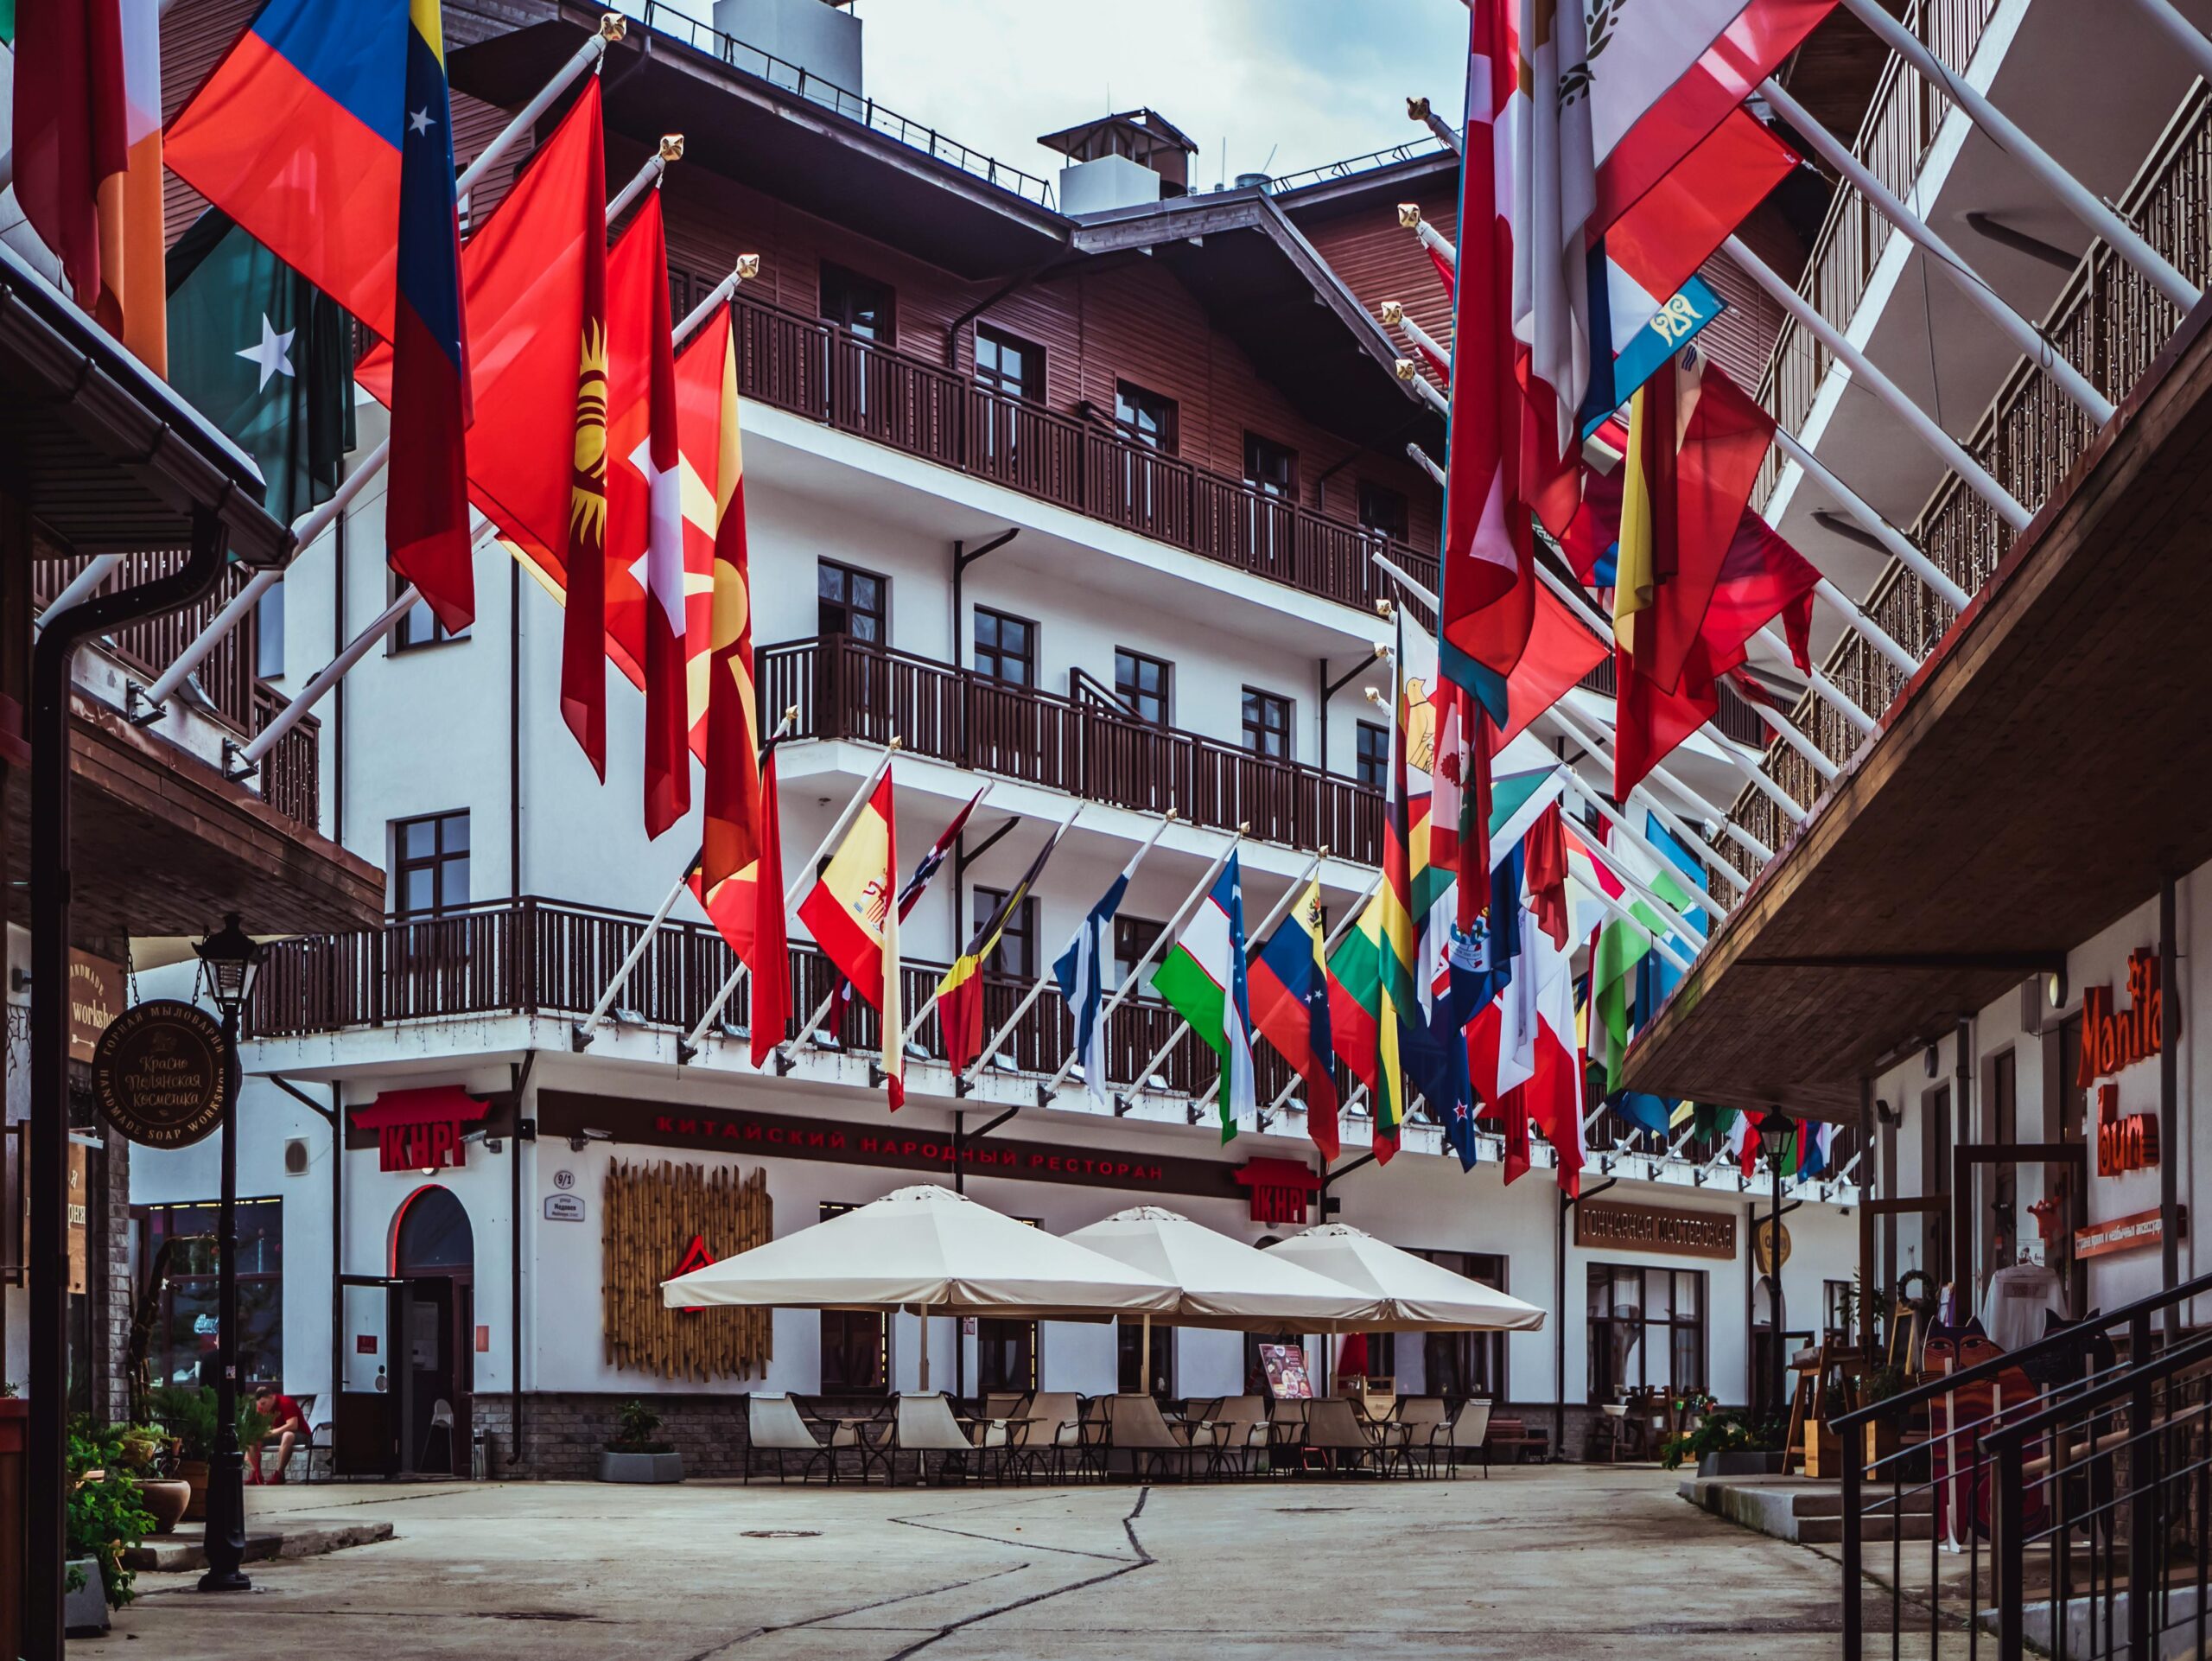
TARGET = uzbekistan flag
(1204,978)
(1290,1007)
(850,912)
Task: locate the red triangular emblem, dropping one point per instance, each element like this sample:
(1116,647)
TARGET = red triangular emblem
(696,1256)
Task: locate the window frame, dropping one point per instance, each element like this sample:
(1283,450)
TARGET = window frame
(846,281)
(437,862)
(846,573)
(1130,696)
(1026,657)
(1167,438)
(1598,1330)
(1259,449)
(1027,387)
(1399,525)
(1366,732)
(1266,701)
(1021,928)
(1127,930)
(407,633)
(160,1354)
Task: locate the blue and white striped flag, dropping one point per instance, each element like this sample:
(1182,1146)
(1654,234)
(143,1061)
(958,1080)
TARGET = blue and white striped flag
(1081,972)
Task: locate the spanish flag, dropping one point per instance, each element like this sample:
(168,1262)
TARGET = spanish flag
(960,993)
(850,912)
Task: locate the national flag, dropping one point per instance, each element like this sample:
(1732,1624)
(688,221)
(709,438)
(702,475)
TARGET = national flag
(1743,1144)
(426,530)
(1553,195)
(1080,972)
(1554,1093)
(1545,848)
(1398,966)
(131,264)
(746,908)
(1289,983)
(851,913)
(265,356)
(1761,578)
(1562,651)
(720,693)
(960,993)
(71,139)
(1204,977)
(644,497)
(1518,800)
(1812,1143)
(1356,1029)
(925,868)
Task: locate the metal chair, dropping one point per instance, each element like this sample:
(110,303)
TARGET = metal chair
(774,1425)
(441,1420)
(1468,1433)
(322,1438)
(1334,1431)
(1050,1431)
(926,1425)
(1424,1420)
(1134,1426)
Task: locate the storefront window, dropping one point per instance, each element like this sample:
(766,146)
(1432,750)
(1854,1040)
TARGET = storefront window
(1647,1330)
(854,1350)
(1006,1354)
(182,1349)
(1130,1347)
(1459,1365)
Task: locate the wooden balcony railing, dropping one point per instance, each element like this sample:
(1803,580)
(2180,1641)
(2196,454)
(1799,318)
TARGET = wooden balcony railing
(290,778)
(849,689)
(825,374)
(2111,323)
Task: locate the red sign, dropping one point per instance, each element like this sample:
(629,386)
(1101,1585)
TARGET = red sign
(1279,1187)
(2113,1039)
(2129,1143)
(696,1256)
(2142,1228)
(420,1129)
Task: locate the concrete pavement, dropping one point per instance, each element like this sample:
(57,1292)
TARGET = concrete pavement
(1562,1562)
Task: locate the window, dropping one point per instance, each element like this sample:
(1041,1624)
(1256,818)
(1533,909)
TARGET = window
(1133,938)
(849,602)
(1382,510)
(1371,764)
(418,626)
(1839,1307)
(429,865)
(857,303)
(269,632)
(1005,647)
(1267,724)
(1465,1364)
(852,1342)
(1006,363)
(1015,954)
(1647,1330)
(1148,417)
(1142,684)
(1006,1354)
(1269,467)
(183,1347)
(1129,1347)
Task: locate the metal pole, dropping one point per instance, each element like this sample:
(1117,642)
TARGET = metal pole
(930,1002)
(224,1539)
(1875,635)
(1423,388)
(2169,1102)
(1907,554)
(2025,336)
(2080,201)
(1267,927)
(1978,478)
(1612,816)
(81,585)
(1417,109)
(2182,32)
(1570,723)
(581,1033)
(1394,315)
(1431,237)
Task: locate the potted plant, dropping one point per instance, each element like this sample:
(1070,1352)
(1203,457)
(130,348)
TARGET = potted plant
(636,1453)
(1729,1442)
(188,1413)
(106,1518)
(147,1451)
(1879,1384)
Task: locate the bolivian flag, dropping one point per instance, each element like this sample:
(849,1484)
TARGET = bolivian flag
(850,912)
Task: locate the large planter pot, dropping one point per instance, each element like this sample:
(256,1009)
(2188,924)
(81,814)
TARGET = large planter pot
(84,1613)
(167,1499)
(1739,1464)
(193,1472)
(641,1467)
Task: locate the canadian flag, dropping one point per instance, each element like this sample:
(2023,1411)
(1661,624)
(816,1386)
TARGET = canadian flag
(645,491)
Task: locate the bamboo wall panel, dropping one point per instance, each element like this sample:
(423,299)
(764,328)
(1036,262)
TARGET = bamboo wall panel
(649,1215)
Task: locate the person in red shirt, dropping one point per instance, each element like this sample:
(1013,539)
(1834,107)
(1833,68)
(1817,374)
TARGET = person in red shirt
(286,1422)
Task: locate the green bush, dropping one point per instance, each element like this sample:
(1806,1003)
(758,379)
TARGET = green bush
(106,1513)
(1730,1431)
(635,1424)
(187,1412)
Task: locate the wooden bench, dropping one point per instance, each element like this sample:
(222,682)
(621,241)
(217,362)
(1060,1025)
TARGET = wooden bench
(1516,1435)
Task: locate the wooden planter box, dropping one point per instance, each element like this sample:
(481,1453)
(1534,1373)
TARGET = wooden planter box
(1823,1450)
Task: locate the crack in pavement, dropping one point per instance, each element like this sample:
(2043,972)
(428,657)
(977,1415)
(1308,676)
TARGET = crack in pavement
(995,1539)
(723,1646)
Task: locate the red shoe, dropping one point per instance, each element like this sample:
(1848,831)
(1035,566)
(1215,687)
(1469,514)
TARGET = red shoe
(253,1478)
(277,1478)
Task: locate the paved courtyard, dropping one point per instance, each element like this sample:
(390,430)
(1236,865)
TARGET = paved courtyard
(1559,1562)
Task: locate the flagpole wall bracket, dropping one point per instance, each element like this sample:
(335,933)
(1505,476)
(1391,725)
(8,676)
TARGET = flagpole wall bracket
(580,1038)
(875,1075)
(236,767)
(781,1056)
(686,1052)
(139,709)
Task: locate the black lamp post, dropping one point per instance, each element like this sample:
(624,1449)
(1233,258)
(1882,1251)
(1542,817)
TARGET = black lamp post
(1777,1133)
(228,962)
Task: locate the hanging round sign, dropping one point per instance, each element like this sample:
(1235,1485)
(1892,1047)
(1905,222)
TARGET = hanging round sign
(1762,1252)
(158,1073)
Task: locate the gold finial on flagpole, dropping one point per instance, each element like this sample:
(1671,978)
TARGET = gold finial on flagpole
(1416,109)
(1382,609)
(792,714)
(748,267)
(1393,313)
(1406,369)
(1409,215)
(672,147)
(613,26)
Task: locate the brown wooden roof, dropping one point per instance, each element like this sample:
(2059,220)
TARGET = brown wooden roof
(2039,776)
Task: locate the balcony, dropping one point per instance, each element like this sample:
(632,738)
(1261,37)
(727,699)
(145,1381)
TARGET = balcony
(1085,745)
(826,374)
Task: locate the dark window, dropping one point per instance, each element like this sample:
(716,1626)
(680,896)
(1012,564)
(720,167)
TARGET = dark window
(849,602)
(1005,647)
(1935,1163)
(1148,417)
(858,304)
(1647,1330)
(1128,1345)
(1141,684)
(2001,1215)
(418,626)
(429,864)
(1382,510)
(1465,1364)
(1267,724)
(1016,952)
(853,1346)
(183,1348)
(1006,363)
(1370,763)
(1133,938)
(1839,1300)
(1006,1354)
(1270,468)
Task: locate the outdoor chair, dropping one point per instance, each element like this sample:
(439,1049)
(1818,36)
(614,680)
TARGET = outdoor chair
(926,1425)
(1236,1431)
(1424,1420)
(774,1425)
(1468,1433)
(1285,1433)
(1133,1426)
(322,1438)
(1090,1435)
(1052,1430)
(1333,1431)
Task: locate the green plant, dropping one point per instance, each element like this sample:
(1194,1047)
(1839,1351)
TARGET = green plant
(635,1424)
(143,1446)
(254,1425)
(1879,1384)
(188,1413)
(1732,1430)
(106,1513)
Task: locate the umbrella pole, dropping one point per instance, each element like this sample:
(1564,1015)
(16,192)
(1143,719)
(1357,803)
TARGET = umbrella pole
(1144,1358)
(925,1349)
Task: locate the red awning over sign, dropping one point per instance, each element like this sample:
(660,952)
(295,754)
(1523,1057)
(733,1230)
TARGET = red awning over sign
(435,1104)
(1278,1174)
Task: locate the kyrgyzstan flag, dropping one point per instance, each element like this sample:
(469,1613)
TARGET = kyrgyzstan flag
(747,910)
(850,914)
(644,502)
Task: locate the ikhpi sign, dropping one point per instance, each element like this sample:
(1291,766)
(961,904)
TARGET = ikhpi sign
(2112,1040)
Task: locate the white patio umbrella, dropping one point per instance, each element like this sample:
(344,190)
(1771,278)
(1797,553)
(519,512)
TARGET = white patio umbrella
(1414,1294)
(929,1250)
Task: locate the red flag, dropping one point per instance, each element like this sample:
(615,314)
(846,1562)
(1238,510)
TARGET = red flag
(1562,649)
(645,499)
(1763,577)
(1650,722)
(1545,848)
(747,911)
(71,138)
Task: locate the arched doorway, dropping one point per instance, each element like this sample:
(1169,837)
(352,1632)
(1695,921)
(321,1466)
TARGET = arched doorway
(433,1321)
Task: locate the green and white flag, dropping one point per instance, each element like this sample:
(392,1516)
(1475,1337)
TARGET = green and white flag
(265,355)
(1203,976)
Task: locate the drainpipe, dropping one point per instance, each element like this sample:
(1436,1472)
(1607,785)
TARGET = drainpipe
(1963,1211)
(2168,1105)
(524,1129)
(1566,1203)
(963,558)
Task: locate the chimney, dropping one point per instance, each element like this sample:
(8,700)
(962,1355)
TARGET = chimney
(822,37)
(1121,161)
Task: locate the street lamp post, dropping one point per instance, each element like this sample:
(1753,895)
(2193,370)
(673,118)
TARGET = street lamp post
(1778,1132)
(228,962)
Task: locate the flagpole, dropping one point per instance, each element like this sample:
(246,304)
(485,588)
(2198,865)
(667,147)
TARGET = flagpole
(1612,816)
(1394,315)
(1265,927)
(1417,109)
(1570,724)
(1432,238)
(251,756)
(930,1002)
(798,884)
(1906,551)
(1344,923)
(81,585)
(1136,972)
(1036,991)
(1676,922)
(1710,857)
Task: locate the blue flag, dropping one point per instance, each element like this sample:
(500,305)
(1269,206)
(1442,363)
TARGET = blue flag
(1081,972)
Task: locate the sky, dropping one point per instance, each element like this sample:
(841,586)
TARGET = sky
(1259,86)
